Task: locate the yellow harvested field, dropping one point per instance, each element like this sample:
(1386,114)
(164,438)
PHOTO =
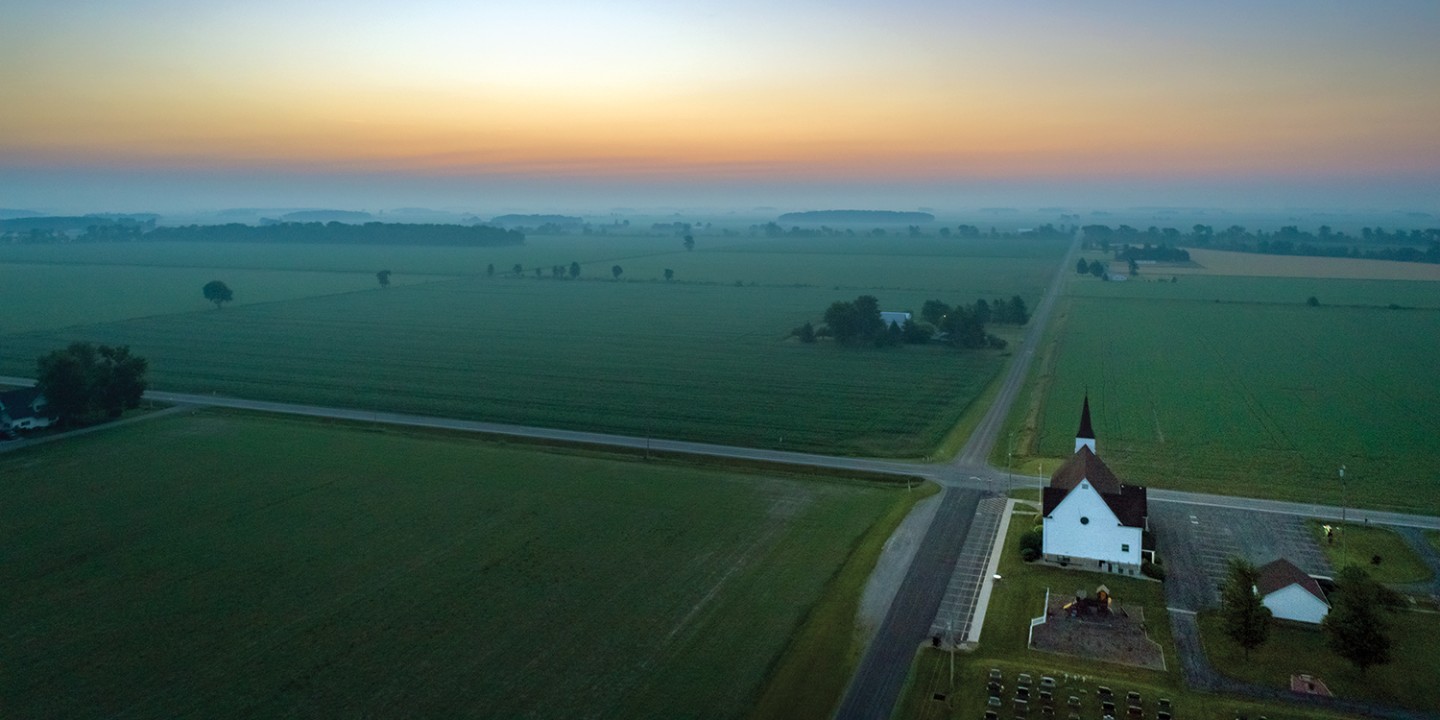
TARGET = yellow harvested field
(1219,262)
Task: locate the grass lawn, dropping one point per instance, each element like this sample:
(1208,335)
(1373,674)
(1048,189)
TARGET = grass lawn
(1359,544)
(1003,644)
(1412,679)
(1434,536)
(233,565)
(1290,392)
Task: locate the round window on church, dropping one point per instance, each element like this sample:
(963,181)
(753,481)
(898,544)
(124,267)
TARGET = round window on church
(1084,521)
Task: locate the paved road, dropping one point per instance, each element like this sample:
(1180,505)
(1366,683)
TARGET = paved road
(976,453)
(876,686)
(886,663)
(957,474)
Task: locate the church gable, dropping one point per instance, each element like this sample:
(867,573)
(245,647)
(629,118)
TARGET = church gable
(1083,503)
(1085,465)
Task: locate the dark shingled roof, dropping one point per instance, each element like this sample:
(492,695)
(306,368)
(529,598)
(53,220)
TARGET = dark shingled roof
(1084,464)
(19,404)
(1129,505)
(1128,502)
(1086,432)
(1281,574)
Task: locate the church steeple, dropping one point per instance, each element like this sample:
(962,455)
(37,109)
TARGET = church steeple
(1086,436)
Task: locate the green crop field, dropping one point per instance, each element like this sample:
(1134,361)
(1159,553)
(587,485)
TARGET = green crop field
(47,297)
(700,358)
(229,565)
(1234,385)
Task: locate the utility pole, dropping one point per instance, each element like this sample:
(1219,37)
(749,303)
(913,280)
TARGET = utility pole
(1344,504)
(950,629)
(1010,466)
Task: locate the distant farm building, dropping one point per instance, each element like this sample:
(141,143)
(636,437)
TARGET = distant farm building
(894,318)
(1091,519)
(1290,593)
(23,409)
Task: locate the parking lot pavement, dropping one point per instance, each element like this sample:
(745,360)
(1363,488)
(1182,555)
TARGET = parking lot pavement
(1195,543)
(957,609)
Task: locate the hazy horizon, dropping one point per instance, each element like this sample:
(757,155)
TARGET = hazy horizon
(563,105)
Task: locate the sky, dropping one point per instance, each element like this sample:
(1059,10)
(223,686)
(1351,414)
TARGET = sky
(168,105)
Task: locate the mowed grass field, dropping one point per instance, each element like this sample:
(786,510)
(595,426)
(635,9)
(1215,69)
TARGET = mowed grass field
(1234,385)
(229,565)
(700,358)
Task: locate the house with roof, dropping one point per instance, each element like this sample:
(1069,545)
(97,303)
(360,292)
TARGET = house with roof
(1290,593)
(894,318)
(23,409)
(1091,519)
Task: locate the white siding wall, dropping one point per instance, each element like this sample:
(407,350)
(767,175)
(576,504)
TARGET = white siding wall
(1293,602)
(1101,539)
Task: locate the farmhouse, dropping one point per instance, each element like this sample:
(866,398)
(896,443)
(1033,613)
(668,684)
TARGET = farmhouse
(894,318)
(1091,519)
(23,409)
(1290,593)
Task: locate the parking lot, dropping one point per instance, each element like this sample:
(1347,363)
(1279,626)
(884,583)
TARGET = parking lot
(1195,542)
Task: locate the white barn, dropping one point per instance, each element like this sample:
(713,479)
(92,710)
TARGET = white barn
(1290,593)
(1091,519)
(23,409)
(894,318)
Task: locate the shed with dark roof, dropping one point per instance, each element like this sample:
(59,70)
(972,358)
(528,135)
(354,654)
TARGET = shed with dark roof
(1290,593)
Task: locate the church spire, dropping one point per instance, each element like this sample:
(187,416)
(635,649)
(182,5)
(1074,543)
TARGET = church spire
(1086,436)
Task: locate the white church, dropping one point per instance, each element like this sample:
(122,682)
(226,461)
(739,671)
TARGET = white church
(1092,520)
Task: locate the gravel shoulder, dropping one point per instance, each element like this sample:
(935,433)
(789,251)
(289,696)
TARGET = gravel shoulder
(892,565)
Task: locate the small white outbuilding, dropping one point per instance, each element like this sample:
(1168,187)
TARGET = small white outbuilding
(1290,593)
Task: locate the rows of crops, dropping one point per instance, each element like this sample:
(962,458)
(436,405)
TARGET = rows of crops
(46,297)
(1256,399)
(246,566)
(703,358)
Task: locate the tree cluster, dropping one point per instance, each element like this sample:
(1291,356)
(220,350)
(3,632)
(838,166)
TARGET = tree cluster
(964,325)
(83,383)
(372,233)
(1400,245)
(857,322)
(1093,267)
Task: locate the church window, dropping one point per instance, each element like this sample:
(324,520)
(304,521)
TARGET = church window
(1084,520)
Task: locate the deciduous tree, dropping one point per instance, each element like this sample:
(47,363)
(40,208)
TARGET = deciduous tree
(1354,627)
(1247,620)
(217,292)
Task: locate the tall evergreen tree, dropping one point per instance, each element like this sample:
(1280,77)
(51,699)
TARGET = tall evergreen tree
(1247,620)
